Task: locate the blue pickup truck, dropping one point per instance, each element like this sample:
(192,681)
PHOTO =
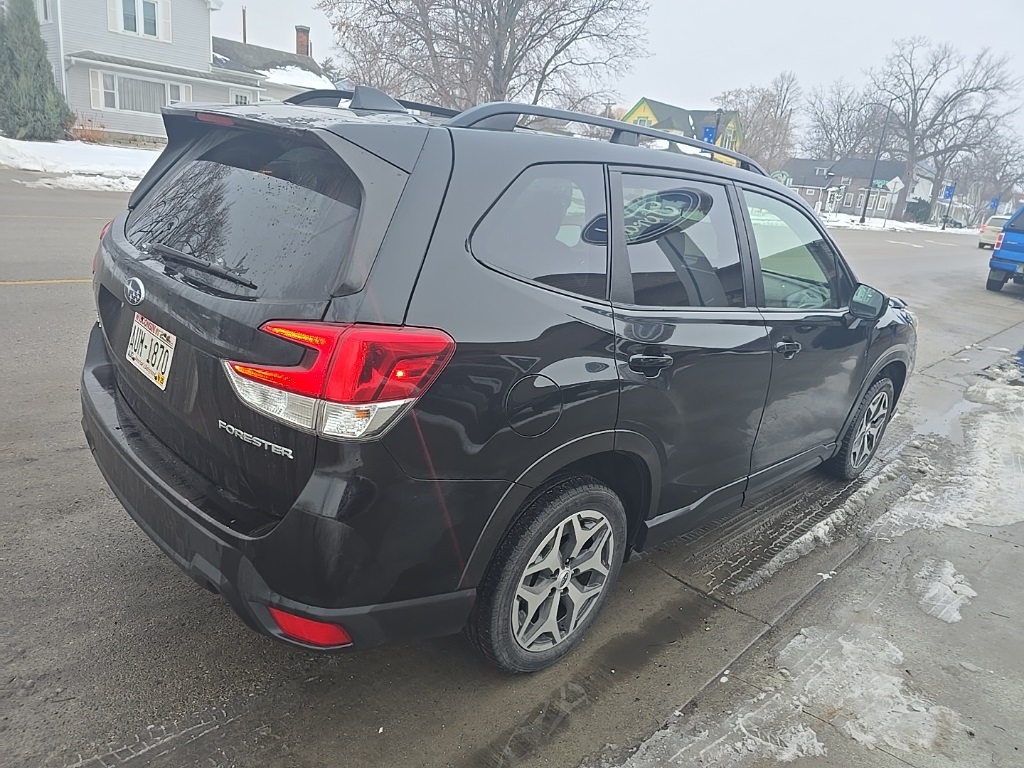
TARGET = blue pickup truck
(1007,262)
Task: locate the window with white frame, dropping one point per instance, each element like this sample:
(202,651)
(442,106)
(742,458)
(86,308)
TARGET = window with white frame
(846,180)
(872,199)
(860,201)
(240,97)
(848,200)
(643,122)
(820,171)
(809,192)
(45,15)
(883,202)
(133,94)
(146,18)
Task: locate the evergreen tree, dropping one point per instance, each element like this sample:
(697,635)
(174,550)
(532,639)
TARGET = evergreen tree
(31,106)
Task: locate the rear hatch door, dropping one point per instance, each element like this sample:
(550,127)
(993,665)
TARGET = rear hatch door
(239,224)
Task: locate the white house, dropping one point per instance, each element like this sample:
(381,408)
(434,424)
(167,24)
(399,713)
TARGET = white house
(119,62)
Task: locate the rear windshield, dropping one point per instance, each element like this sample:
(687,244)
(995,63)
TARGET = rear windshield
(1016,224)
(998,221)
(278,213)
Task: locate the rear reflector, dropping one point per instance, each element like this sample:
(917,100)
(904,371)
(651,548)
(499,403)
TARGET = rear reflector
(209,117)
(319,633)
(353,382)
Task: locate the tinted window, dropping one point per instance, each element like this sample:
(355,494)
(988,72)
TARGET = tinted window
(997,221)
(799,269)
(277,212)
(681,243)
(1016,223)
(536,229)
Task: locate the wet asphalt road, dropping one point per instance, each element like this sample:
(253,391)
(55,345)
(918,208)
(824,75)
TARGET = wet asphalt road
(109,655)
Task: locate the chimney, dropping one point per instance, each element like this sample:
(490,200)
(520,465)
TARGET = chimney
(244,40)
(301,40)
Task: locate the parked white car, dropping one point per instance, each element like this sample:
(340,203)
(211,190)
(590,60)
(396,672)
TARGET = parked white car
(990,231)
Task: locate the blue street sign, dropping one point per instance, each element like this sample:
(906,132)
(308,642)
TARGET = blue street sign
(947,193)
(709,134)
(994,205)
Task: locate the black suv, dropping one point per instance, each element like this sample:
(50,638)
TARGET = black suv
(372,374)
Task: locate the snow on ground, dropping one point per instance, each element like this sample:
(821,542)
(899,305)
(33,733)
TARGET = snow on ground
(297,76)
(824,532)
(851,678)
(80,181)
(76,157)
(941,590)
(985,484)
(847,221)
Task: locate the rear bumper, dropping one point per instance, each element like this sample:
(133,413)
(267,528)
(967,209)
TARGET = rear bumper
(1002,262)
(243,568)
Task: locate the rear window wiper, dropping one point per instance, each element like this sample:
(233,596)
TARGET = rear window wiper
(180,257)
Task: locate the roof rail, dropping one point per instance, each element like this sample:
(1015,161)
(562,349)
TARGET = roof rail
(505,116)
(368,99)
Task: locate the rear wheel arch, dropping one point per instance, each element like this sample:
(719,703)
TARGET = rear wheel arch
(629,473)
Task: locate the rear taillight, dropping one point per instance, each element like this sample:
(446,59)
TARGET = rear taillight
(215,119)
(353,382)
(309,631)
(983,226)
(999,242)
(103,233)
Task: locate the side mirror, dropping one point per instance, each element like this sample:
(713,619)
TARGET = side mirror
(868,303)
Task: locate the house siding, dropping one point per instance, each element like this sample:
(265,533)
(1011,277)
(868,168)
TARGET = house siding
(85,29)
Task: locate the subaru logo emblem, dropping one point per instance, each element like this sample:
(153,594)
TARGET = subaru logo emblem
(134,291)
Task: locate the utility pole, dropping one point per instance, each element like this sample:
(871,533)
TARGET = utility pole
(608,108)
(718,122)
(874,167)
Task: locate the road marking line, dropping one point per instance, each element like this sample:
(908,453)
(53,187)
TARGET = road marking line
(904,242)
(938,242)
(56,281)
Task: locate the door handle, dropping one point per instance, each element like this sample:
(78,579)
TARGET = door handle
(650,365)
(788,349)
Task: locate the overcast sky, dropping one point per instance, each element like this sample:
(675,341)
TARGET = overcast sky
(693,57)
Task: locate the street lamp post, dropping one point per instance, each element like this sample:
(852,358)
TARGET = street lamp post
(874,167)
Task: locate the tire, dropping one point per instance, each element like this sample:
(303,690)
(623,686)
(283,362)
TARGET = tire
(994,285)
(861,441)
(519,635)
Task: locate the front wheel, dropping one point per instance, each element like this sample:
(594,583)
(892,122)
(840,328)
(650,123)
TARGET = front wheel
(861,441)
(550,577)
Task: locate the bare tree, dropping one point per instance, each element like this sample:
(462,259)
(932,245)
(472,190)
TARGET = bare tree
(458,53)
(991,173)
(943,103)
(842,122)
(768,117)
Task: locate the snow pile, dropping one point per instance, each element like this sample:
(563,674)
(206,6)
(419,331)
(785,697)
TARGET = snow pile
(297,77)
(856,682)
(848,221)
(80,181)
(76,157)
(824,532)
(985,486)
(941,590)
(851,679)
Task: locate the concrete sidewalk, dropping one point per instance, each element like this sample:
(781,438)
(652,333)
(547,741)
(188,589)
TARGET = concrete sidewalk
(910,651)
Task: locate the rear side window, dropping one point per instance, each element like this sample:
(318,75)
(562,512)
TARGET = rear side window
(681,243)
(1016,224)
(275,211)
(550,227)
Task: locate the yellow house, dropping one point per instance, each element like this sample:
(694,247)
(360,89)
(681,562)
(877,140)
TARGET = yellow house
(688,122)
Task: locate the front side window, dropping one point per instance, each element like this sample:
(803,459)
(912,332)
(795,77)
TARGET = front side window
(799,268)
(681,243)
(550,227)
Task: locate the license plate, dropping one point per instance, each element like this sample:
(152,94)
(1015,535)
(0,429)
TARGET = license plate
(150,349)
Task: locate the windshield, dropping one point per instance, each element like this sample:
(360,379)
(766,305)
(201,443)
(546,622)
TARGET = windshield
(279,213)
